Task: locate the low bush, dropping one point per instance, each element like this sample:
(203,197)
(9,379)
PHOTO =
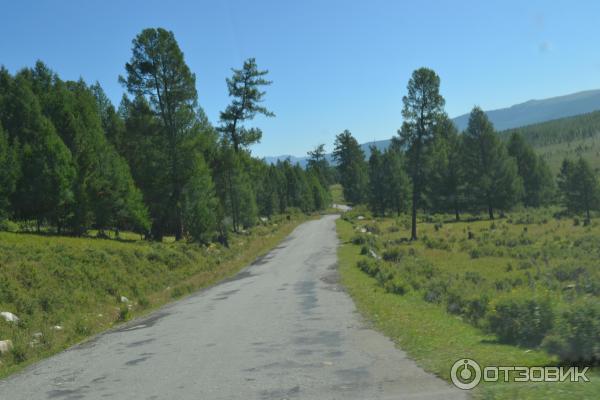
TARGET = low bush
(393,255)
(568,272)
(368,266)
(576,335)
(396,285)
(362,239)
(8,226)
(435,291)
(521,319)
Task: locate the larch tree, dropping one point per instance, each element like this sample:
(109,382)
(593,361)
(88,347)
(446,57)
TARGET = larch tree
(397,189)
(245,89)
(423,108)
(378,182)
(157,71)
(446,191)
(538,183)
(8,173)
(578,187)
(491,174)
(352,167)
(318,164)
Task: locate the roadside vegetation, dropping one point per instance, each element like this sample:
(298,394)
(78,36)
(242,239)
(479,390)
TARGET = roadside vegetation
(522,290)
(107,211)
(65,289)
(72,162)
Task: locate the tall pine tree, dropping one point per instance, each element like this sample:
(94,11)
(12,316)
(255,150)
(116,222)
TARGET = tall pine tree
(423,108)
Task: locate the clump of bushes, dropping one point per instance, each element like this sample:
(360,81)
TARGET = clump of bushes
(568,272)
(396,285)
(373,228)
(473,306)
(521,319)
(368,240)
(368,266)
(438,243)
(393,255)
(435,291)
(576,335)
(387,276)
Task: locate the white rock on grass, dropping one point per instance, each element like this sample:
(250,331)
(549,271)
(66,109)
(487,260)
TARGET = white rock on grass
(57,328)
(5,346)
(124,299)
(9,317)
(374,255)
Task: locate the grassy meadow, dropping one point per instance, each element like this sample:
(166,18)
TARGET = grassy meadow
(587,148)
(65,289)
(501,292)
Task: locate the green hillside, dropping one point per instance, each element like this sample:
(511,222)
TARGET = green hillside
(570,137)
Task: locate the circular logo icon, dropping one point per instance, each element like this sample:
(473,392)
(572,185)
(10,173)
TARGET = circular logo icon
(465,374)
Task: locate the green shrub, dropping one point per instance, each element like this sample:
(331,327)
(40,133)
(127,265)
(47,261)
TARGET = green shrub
(396,285)
(393,255)
(362,239)
(373,228)
(368,266)
(568,272)
(521,319)
(8,226)
(468,303)
(435,291)
(475,253)
(576,336)
(476,308)
(124,313)
(144,302)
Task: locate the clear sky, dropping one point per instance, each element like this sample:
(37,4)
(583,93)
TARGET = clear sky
(335,64)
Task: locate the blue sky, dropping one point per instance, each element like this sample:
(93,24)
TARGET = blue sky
(335,64)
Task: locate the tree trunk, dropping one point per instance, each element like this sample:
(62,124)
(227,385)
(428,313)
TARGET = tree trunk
(178,225)
(587,214)
(157,232)
(413,232)
(457,214)
(491,212)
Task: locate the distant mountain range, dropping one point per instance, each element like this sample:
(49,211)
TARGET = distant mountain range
(528,113)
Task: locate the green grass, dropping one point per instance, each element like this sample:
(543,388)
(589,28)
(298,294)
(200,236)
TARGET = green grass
(77,283)
(431,335)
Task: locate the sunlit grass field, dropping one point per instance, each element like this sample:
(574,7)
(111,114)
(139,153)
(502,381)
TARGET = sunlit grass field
(64,289)
(434,297)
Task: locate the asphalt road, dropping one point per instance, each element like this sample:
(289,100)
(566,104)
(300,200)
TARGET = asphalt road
(282,329)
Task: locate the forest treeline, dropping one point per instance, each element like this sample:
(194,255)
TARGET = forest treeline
(563,130)
(431,167)
(71,161)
